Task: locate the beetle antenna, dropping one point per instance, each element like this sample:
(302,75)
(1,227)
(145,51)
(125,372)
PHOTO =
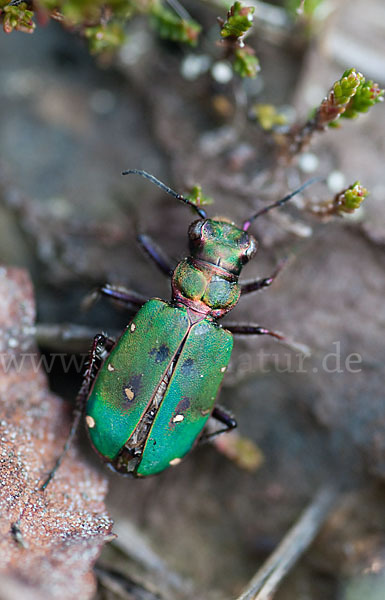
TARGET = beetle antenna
(202,213)
(280,202)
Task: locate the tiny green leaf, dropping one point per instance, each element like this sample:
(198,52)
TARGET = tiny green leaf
(246,64)
(78,13)
(170,26)
(350,199)
(18,18)
(345,202)
(302,7)
(368,94)
(197,197)
(102,22)
(268,116)
(105,38)
(239,20)
(338,98)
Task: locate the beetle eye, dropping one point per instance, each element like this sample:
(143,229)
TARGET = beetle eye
(250,250)
(208,230)
(195,230)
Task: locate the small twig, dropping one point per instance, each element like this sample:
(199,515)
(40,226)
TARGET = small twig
(136,547)
(300,9)
(180,10)
(122,586)
(267,579)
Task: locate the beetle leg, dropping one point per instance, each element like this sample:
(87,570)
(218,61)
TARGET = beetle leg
(223,416)
(260,284)
(251,329)
(156,254)
(130,300)
(100,349)
(239,449)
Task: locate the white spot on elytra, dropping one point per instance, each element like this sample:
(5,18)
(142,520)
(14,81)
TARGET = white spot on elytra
(175,461)
(110,367)
(90,421)
(132,327)
(178,419)
(223,369)
(129,393)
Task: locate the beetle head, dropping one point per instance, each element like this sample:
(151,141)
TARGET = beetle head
(219,242)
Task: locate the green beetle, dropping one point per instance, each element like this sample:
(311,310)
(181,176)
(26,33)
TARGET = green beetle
(148,396)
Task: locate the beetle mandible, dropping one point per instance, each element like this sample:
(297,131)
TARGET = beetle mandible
(147,396)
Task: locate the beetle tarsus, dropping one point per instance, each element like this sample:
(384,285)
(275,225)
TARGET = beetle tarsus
(222,415)
(251,329)
(259,284)
(74,426)
(107,344)
(128,298)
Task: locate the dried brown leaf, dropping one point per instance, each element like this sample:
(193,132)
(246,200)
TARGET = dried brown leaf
(49,540)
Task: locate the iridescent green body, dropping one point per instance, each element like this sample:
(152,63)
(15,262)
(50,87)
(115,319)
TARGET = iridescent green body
(160,338)
(157,388)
